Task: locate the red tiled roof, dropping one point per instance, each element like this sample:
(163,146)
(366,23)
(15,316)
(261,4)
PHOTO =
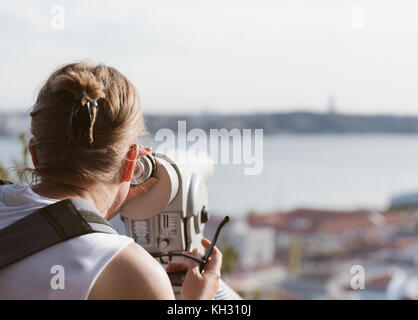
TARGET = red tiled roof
(310,221)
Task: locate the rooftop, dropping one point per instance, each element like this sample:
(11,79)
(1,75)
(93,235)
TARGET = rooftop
(313,221)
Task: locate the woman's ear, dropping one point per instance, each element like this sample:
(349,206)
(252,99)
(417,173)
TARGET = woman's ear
(130,163)
(32,152)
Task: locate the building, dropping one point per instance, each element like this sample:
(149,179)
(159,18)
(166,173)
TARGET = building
(390,274)
(318,234)
(255,245)
(320,247)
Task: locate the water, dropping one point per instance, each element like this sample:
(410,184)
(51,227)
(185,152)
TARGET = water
(337,172)
(326,171)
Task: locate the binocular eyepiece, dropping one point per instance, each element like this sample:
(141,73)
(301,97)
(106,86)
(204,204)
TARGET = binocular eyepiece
(146,167)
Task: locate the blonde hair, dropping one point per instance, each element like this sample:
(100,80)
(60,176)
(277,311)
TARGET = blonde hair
(75,146)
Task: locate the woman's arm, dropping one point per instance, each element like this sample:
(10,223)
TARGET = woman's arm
(135,274)
(132,274)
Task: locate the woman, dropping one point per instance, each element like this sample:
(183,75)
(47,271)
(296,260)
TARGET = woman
(85,125)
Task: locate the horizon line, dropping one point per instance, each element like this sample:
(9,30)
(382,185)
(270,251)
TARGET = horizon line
(258,112)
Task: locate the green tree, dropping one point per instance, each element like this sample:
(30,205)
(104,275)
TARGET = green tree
(19,165)
(4,175)
(230,256)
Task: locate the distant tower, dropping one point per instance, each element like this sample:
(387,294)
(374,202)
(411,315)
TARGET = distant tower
(332,106)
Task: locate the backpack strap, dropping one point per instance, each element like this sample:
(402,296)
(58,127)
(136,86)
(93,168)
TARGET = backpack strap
(48,226)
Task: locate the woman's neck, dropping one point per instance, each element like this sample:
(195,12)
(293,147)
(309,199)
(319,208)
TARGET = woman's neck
(100,197)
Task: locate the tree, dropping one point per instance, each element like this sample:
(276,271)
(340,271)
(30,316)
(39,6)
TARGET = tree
(19,165)
(230,256)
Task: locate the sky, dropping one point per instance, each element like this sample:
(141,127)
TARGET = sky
(228,56)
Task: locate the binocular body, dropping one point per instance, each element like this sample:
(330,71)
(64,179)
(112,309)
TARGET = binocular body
(171,215)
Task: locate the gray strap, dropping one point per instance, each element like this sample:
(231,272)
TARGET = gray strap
(48,226)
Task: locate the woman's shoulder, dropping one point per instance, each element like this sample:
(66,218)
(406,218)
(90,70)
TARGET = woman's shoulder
(132,274)
(81,259)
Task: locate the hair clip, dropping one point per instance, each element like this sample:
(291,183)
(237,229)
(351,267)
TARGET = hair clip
(92,108)
(92,111)
(91,104)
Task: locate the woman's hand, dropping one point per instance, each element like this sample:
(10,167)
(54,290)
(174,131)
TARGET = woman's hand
(196,285)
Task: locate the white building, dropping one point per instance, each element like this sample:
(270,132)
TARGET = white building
(256,246)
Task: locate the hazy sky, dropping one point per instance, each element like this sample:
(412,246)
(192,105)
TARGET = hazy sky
(228,55)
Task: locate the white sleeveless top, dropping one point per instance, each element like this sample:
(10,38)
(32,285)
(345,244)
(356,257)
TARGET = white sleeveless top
(82,259)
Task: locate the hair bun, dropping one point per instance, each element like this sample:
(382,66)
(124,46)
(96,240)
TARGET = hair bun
(81,84)
(85,88)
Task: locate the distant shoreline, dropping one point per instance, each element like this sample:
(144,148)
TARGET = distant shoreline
(272,123)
